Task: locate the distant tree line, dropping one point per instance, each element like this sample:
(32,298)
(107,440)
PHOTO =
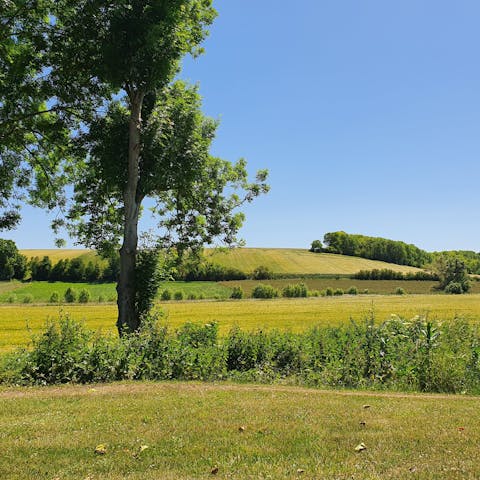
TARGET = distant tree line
(387,274)
(374,248)
(76,269)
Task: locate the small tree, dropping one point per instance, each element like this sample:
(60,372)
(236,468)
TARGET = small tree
(12,263)
(316,246)
(451,270)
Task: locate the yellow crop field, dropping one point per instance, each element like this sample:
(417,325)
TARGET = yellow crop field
(56,254)
(297,261)
(17,323)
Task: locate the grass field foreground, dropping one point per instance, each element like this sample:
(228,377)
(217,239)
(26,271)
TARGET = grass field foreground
(19,322)
(187,431)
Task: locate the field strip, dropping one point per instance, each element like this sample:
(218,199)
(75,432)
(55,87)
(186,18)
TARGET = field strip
(134,388)
(19,323)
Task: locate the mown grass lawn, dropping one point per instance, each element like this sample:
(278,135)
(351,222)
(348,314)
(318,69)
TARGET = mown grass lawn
(18,322)
(244,431)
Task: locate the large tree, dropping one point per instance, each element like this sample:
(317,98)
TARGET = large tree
(103,72)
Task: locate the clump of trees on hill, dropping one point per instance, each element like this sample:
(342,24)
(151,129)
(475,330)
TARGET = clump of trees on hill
(375,248)
(387,274)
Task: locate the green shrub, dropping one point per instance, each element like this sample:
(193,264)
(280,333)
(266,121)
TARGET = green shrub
(338,292)
(178,295)
(84,296)
(28,298)
(12,298)
(70,295)
(323,293)
(454,288)
(264,291)
(192,296)
(262,273)
(365,291)
(166,295)
(314,293)
(295,291)
(399,291)
(329,291)
(101,299)
(54,297)
(237,293)
(352,291)
(412,355)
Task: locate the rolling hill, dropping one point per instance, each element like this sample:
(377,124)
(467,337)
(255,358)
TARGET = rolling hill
(296,261)
(287,261)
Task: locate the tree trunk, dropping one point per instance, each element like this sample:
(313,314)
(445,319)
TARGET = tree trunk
(127,315)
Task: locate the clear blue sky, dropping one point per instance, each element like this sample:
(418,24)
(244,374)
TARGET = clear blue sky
(366,113)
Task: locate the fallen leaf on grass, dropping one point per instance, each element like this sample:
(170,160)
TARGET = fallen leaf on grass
(241,429)
(363,423)
(461,429)
(366,406)
(300,471)
(360,447)
(101,449)
(214,470)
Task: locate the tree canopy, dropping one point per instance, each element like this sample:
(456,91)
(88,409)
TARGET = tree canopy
(99,111)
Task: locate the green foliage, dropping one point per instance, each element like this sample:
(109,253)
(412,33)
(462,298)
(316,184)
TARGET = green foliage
(376,248)
(166,295)
(352,290)
(415,355)
(264,291)
(452,271)
(400,291)
(54,298)
(316,246)
(12,263)
(70,295)
(387,274)
(84,296)
(455,288)
(295,291)
(12,298)
(262,273)
(148,276)
(329,292)
(338,292)
(178,295)
(237,293)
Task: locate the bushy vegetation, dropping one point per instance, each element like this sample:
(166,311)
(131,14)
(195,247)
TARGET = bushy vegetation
(295,291)
(387,274)
(78,269)
(264,291)
(262,272)
(452,273)
(13,265)
(376,248)
(237,293)
(417,355)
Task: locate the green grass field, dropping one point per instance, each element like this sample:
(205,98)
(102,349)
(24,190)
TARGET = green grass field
(295,261)
(40,292)
(244,431)
(18,322)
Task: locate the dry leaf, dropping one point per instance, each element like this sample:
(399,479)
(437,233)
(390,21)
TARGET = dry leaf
(300,471)
(101,449)
(461,429)
(363,423)
(241,429)
(366,406)
(214,470)
(360,447)
(143,448)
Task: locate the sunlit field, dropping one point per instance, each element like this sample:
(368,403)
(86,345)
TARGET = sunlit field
(19,322)
(191,431)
